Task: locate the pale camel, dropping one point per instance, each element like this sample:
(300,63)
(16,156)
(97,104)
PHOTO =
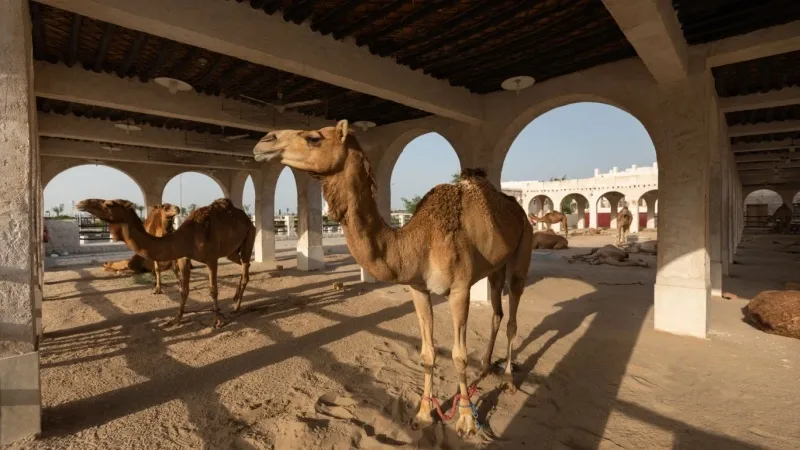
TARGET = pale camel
(208,233)
(649,247)
(624,221)
(549,240)
(459,234)
(609,254)
(551,218)
(159,221)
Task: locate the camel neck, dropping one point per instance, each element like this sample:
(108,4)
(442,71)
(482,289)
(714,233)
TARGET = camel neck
(351,201)
(144,244)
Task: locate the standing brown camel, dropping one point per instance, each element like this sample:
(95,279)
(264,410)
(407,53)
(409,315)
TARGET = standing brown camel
(459,234)
(551,218)
(160,221)
(209,233)
(624,221)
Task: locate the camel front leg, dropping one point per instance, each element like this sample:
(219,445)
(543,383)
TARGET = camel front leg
(184,267)
(424,308)
(459,306)
(243,280)
(157,276)
(212,281)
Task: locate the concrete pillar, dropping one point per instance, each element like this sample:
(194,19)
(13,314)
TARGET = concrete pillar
(581,214)
(289,221)
(310,253)
(651,211)
(20,234)
(614,202)
(715,208)
(593,207)
(635,213)
(265,186)
(683,286)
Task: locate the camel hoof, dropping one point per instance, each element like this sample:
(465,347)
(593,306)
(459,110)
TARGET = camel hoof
(466,425)
(219,322)
(422,420)
(236,309)
(509,387)
(156,291)
(174,322)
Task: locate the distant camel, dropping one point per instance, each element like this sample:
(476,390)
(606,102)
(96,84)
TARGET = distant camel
(215,231)
(782,217)
(624,221)
(160,221)
(551,218)
(549,240)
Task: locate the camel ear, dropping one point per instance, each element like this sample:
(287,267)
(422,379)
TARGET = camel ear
(341,130)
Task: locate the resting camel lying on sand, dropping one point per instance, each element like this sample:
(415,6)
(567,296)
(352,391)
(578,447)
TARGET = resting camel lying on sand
(209,233)
(551,218)
(459,234)
(649,247)
(549,240)
(160,221)
(609,254)
(775,312)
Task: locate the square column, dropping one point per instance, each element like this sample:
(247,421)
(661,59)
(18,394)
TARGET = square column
(593,214)
(581,216)
(651,212)
(264,247)
(635,213)
(683,285)
(614,204)
(310,254)
(20,231)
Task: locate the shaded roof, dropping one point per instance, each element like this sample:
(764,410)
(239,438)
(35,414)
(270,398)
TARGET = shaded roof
(711,20)
(472,43)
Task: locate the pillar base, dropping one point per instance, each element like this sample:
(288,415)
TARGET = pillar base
(716,278)
(311,259)
(20,397)
(682,310)
(366,277)
(480,292)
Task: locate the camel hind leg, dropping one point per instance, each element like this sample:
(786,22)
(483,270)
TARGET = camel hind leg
(517,275)
(424,309)
(184,266)
(497,280)
(157,275)
(564,226)
(244,255)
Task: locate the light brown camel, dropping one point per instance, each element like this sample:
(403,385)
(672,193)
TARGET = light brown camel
(775,312)
(782,217)
(549,240)
(611,255)
(459,234)
(551,218)
(209,233)
(159,221)
(624,221)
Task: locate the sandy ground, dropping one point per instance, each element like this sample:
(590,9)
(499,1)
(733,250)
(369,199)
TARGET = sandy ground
(306,366)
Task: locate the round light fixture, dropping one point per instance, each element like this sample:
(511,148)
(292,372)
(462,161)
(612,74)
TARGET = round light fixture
(128,127)
(173,85)
(364,125)
(517,83)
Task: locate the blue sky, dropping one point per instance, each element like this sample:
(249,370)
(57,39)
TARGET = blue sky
(572,140)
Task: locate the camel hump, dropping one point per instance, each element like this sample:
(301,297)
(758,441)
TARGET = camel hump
(223,203)
(475,172)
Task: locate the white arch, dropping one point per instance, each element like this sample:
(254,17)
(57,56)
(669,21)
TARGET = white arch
(223,189)
(48,178)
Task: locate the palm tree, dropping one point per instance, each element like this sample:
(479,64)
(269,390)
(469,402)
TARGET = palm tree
(58,210)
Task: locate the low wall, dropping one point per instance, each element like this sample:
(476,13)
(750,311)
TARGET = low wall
(62,236)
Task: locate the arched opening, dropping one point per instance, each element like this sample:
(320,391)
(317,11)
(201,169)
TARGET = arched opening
(285,209)
(426,161)
(585,150)
(249,197)
(648,210)
(67,229)
(540,205)
(576,207)
(608,206)
(759,206)
(192,190)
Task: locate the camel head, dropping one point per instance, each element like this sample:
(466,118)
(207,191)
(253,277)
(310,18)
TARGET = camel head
(112,211)
(167,210)
(532,218)
(320,152)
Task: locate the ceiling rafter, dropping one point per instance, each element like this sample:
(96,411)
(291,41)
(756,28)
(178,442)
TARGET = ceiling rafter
(102,50)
